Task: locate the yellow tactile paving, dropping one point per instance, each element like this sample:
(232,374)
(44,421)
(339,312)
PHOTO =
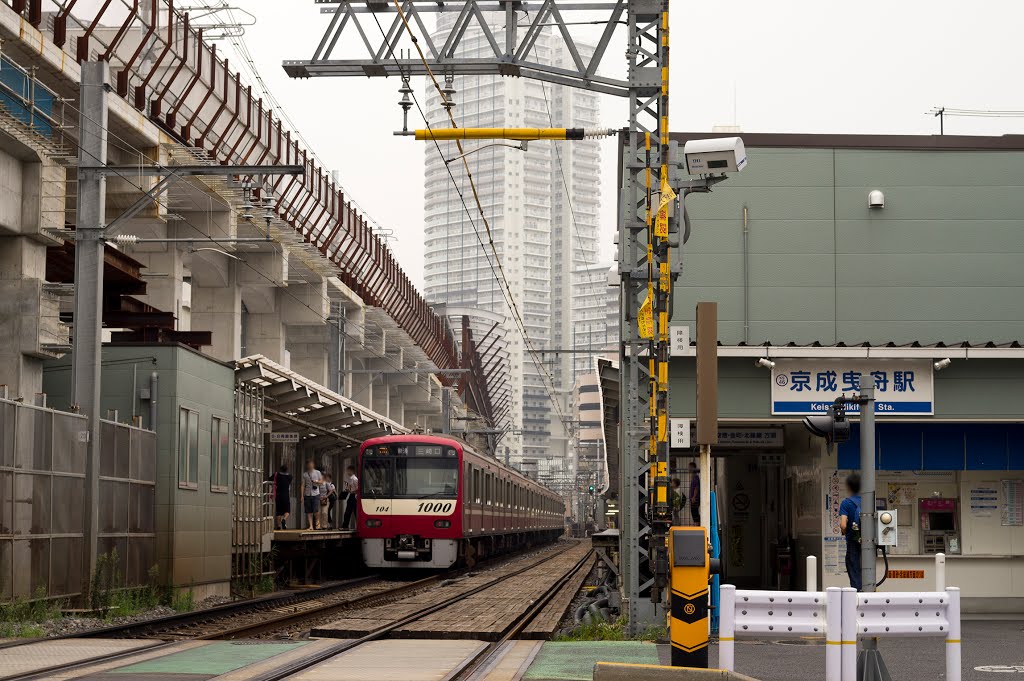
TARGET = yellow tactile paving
(24,659)
(395,660)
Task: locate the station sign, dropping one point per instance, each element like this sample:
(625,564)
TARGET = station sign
(810,386)
(284,437)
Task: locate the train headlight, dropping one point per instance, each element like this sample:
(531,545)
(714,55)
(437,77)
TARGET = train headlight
(442,524)
(373,522)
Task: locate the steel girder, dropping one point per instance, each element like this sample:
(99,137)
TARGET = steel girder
(354,23)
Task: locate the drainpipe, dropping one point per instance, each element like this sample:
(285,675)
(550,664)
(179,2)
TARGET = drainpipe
(746,277)
(154,385)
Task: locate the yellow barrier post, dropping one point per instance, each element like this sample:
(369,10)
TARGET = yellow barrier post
(692,567)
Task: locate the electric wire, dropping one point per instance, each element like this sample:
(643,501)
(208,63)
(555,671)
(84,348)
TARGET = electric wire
(510,298)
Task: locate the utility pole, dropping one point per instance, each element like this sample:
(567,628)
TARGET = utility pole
(870,666)
(88,321)
(90,244)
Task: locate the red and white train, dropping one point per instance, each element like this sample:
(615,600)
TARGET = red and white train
(429,501)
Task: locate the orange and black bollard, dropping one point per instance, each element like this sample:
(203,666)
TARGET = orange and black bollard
(692,567)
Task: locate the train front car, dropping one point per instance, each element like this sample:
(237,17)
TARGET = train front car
(410,501)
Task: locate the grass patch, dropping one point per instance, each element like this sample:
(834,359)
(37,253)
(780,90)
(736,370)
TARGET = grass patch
(611,631)
(183,601)
(21,618)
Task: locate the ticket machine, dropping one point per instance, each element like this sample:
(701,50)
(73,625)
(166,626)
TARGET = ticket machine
(939,525)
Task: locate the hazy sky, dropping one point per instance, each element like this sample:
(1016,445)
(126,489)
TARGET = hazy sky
(790,66)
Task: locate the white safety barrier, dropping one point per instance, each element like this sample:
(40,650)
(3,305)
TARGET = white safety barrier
(779,614)
(842,616)
(929,613)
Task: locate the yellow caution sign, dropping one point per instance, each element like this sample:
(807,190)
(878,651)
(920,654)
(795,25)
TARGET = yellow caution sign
(667,197)
(645,319)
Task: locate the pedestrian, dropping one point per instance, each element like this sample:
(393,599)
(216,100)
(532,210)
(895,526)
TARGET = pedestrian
(694,493)
(311,480)
(351,498)
(849,525)
(332,499)
(678,500)
(282,497)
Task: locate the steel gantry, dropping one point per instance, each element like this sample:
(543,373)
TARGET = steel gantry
(647,222)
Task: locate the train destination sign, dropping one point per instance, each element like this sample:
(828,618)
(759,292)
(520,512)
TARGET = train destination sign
(809,386)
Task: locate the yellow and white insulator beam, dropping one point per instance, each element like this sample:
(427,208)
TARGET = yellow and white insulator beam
(519,134)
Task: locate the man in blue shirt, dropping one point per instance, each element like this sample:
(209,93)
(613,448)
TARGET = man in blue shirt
(849,525)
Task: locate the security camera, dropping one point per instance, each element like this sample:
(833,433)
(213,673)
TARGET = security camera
(942,364)
(715,156)
(765,363)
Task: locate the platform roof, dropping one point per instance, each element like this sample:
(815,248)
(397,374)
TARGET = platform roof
(295,404)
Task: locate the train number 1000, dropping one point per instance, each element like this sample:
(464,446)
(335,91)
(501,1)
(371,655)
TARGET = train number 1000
(432,507)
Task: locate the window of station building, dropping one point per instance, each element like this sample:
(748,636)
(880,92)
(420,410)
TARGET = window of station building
(188,449)
(220,455)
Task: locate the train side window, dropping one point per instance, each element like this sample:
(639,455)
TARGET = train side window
(476,485)
(489,490)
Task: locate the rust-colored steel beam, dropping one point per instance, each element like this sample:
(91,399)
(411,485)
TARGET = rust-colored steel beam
(140,90)
(230,156)
(172,115)
(186,130)
(119,36)
(60,24)
(82,44)
(124,73)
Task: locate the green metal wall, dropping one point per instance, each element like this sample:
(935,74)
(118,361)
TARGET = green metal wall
(941,261)
(193,525)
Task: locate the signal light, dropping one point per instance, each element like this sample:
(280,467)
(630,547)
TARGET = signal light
(833,426)
(592,489)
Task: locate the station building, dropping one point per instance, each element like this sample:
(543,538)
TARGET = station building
(896,259)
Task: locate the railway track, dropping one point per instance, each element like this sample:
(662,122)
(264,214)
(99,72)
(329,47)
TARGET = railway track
(469,667)
(298,612)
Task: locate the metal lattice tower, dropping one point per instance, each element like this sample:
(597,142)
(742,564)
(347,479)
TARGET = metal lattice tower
(644,265)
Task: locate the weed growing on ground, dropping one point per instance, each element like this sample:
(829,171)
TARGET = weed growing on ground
(610,631)
(183,601)
(21,618)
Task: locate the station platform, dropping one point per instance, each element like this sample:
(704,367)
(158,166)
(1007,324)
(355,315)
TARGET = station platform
(291,536)
(312,556)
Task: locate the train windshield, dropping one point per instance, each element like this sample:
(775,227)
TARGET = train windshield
(426,478)
(376,480)
(410,471)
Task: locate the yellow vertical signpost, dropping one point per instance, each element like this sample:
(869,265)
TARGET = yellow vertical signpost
(692,568)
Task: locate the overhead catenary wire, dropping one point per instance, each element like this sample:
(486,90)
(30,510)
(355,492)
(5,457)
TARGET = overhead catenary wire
(500,273)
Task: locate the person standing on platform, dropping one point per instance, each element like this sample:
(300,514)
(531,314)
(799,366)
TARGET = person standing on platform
(282,497)
(332,499)
(311,480)
(351,487)
(849,525)
(694,493)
